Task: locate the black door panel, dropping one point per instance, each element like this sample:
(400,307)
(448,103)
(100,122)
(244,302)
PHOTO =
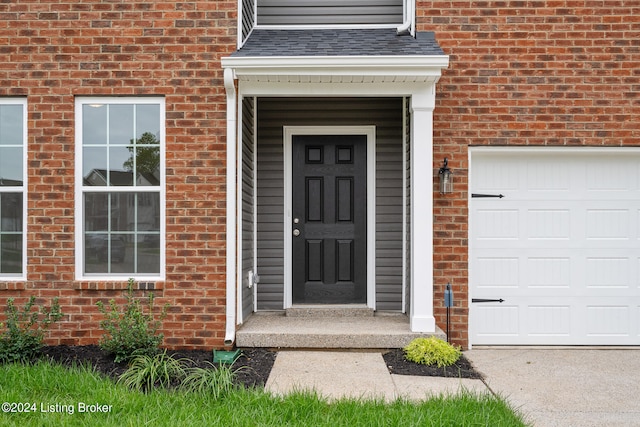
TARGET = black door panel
(330,205)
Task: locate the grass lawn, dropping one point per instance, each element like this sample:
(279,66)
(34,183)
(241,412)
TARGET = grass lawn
(58,396)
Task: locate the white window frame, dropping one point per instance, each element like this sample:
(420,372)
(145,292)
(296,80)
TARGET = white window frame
(80,189)
(23,189)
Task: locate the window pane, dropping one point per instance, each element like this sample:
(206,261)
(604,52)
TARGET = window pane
(123,212)
(96,211)
(94,166)
(120,166)
(94,124)
(11,121)
(10,166)
(11,253)
(148,212)
(120,259)
(96,253)
(148,120)
(148,166)
(148,253)
(121,124)
(10,212)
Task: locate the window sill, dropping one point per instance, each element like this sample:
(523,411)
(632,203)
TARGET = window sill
(12,286)
(117,286)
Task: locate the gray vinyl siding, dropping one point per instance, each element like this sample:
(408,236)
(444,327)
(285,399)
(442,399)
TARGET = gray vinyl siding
(386,115)
(270,248)
(248,17)
(248,215)
(329,12)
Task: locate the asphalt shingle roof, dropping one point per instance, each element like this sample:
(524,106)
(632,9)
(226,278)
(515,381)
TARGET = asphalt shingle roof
(337,42)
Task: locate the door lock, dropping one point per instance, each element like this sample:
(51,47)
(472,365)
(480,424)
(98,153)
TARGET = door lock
(296,232)
(296,220)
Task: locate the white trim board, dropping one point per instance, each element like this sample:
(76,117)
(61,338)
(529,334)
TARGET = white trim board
(22,189)
(370,132)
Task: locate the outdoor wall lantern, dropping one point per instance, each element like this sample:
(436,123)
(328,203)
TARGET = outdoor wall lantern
(446,178)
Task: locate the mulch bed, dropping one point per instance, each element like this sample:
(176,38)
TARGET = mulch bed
(253,366)
(397,364)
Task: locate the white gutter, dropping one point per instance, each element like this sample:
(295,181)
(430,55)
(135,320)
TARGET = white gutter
(382,65)
(229,85)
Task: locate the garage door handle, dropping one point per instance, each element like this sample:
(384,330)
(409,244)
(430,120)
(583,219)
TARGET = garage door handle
(487,300)
(476,195)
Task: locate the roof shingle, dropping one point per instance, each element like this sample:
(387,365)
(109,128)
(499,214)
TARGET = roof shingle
(337,42)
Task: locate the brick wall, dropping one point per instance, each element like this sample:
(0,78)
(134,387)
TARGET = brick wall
(521,72)
(524,73)
(52,51)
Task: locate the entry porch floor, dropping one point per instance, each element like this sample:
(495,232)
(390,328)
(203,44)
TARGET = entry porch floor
(308,329)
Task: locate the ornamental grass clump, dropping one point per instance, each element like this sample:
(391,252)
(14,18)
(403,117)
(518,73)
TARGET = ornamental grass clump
(215,382)
(432,351)
(148,371)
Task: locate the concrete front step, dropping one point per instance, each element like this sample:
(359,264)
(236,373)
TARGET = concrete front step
(276,330)
(329,311)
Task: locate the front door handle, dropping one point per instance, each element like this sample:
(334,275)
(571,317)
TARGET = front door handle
(296,232)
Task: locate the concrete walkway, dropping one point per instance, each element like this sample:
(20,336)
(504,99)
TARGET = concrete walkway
(337,374)
(559,387)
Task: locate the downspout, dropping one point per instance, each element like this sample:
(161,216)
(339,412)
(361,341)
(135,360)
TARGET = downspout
(408,26)
(229,85)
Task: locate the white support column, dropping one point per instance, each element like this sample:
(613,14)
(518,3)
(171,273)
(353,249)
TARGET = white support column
(421,313)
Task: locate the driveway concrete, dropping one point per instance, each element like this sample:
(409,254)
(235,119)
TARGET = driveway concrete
(560,387)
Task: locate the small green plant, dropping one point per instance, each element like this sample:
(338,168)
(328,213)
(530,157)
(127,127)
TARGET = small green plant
(148,371)
(432,351)
(25,329)
(215,382)
(129,331)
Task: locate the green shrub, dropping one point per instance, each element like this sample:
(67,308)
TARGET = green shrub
(215,382)
(129,332)
(148,371)
(25,329)
(432,351)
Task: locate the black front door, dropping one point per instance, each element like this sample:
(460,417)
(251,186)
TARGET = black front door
(329,219)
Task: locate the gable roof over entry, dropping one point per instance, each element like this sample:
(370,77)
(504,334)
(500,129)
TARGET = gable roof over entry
(337,56)
(337,42)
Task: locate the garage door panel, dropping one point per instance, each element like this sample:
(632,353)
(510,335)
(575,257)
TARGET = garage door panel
(548,272)
(551,272)
(610,173)
(497,321)
(608,320)
(608,273)
(536,321)
(498,224)
(562,248)
(498,272)
(548,224)
(548,320)
(608,224)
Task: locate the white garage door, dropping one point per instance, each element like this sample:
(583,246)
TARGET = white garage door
(561,248)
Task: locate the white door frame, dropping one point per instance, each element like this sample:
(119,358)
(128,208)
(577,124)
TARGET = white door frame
(370,132)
